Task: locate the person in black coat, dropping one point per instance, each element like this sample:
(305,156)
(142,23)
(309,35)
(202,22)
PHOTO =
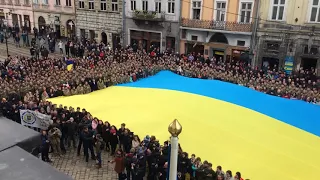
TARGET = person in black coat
(126,141)
(93,85)
(106,134)
(113,139)
(67,48)
(140,168)
(88,137)
(14,114)
(121,133)
(84,123)
(44,148)
(72,130)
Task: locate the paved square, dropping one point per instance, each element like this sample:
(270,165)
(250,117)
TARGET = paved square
(76,167)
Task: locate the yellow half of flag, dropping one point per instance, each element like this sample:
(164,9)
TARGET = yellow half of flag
(69,67)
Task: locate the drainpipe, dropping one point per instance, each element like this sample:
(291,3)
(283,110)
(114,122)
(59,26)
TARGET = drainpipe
(124,33)
(179,24)
(254,33)
(34,18)
(76,22)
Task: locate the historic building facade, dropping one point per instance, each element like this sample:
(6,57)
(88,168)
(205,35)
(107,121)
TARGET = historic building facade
(56,16)
(100,20)
(17,13)
(288,35)
(219,28)
(153,23)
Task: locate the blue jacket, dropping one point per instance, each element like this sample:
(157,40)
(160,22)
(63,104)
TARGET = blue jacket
(44,139)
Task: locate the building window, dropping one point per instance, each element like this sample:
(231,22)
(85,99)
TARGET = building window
(68,3)
(91,4)
(315,14)
(144,5)
(133,4)
(194,38)
(103,5)
(45,2)
(241,43)
(92,34)
(184,34)
(158,6)
(196,9)
(35,2)
(221,11)
(278,9)
(17,2)
(171,5)
(81,4)
(26,2)
(114,5)
(58,3)
(245,12)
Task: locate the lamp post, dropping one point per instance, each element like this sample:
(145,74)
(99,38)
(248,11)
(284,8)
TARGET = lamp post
(175,129)
(6,36)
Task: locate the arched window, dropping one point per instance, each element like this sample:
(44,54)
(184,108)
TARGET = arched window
(219,38)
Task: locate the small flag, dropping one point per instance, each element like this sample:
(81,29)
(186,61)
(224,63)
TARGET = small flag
(69,63)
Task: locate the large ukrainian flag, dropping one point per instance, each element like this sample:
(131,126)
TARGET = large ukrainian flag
(262,136)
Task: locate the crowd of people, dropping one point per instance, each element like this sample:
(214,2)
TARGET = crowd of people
(133,158)
(96,64)
(26,83)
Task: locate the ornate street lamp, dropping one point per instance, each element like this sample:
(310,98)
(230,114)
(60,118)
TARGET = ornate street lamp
(175,129)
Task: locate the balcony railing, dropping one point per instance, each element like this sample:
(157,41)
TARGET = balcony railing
(289,27)
(217,25)
(148,15)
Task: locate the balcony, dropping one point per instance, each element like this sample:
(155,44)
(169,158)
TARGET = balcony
(289,27)
(217,25)
(148,16)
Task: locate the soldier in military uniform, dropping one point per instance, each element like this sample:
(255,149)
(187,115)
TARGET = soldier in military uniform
(80,89)
(86,88)
(66,91)
(73,91)
(101,84)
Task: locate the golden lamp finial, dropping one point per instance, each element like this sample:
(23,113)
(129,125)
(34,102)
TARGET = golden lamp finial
(175,128)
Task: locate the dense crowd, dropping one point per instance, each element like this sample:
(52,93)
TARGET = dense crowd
(133,158)
(26,83)
(97,66)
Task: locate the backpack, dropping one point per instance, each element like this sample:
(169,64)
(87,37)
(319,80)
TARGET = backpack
(103,145)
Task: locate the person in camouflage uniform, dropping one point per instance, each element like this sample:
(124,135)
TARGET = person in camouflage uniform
(73,91)
(80,89)
(66,91)
(86,88)
(101,84)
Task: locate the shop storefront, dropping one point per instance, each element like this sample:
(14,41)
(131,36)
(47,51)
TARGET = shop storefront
(144,40)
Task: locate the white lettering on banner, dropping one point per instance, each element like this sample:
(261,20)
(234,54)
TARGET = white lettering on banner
(35,119)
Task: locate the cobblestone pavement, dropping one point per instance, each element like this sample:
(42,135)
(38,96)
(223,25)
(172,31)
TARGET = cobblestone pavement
(76,167)
(22,51)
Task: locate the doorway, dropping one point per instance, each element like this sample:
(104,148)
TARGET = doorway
(58,33)
(42,25)
(104,38)
(92,34)
(309,63)
(83,33)
(194,48)
(116,44)
(269,63)
(218,55)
